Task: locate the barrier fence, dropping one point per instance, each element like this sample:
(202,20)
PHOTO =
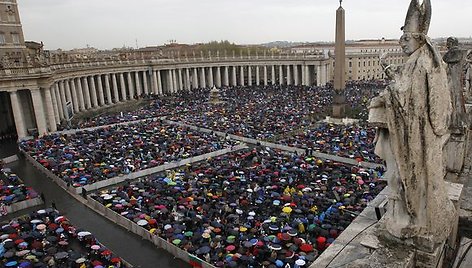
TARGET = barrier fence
(134,175)
(145,234)
(278,146)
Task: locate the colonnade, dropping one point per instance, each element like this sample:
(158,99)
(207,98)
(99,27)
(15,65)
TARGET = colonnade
(78,93)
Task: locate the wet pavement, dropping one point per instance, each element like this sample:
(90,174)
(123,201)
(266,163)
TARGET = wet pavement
(132,248)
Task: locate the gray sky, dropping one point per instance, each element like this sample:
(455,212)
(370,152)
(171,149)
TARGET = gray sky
(114,23)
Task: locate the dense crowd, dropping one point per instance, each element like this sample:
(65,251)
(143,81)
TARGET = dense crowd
(12,188)
(90,156)
(285,114)
(261,112)
(253,208)
(351,141)
(45,238)
(159,106)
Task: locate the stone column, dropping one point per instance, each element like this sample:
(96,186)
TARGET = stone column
(233,77)
(241,77)
(114,83)
(60,106)
(123,87)
(295,75)
(324,74)
(179,80)
(137,80)
(54,104)
(39,111)
(50,109)
(145,83)
(75,100)
(174,81)
(188,85)
(93,91)
(289,76)
(107,88)
(266,82)
(273,74)
(306,75)
(80,94)
(101,97)
(226,76)
(202,78)
(154,86)
(169,81)
(130,86)
(211,82)
(249,75)
(218,77)
(160,90)
(258,76)
(195,78)
(63,98)
(88,101)
(18,115)
(67,90)
(281,75)
(318,75)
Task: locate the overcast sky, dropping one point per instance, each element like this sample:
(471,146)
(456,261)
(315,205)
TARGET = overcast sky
(113,23)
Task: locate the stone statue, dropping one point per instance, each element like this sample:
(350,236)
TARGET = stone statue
(413,116)
(468,76)
(455,59)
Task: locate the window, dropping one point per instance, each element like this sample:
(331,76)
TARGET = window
(15,38)
(10,14)
(2,38)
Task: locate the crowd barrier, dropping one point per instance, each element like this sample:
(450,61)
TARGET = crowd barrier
(134,175)
(142,232)
(63,185)
(10,159)
(278,146)
(15,207)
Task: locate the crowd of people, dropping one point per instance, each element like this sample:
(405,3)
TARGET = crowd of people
(45,238)
(12,188)
(90,156)
(252,208)
(159,106)
(281,114)
(351,141)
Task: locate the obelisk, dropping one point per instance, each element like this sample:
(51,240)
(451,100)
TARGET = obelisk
(339,100)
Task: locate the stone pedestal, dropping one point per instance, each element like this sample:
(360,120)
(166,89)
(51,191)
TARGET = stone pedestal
(339,106)
(455,152)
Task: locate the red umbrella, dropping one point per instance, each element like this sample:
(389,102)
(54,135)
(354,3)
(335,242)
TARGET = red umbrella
(306,248)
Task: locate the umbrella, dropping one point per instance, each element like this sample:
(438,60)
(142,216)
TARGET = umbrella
(80,260)
(142,222)
(84,233)
(306,248)
(203,250)
(61,255)
(287,210)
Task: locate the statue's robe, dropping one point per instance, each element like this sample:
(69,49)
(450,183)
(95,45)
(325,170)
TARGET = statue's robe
(418,110)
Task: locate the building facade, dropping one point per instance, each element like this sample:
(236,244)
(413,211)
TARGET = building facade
(40,90)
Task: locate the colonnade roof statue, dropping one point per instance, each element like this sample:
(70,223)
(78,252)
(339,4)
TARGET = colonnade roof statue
(413,114)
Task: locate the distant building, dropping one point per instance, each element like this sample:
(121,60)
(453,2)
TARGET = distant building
(12,42)
(362,57)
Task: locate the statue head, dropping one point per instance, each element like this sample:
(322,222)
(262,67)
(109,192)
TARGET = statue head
(452,42)
(416,26)
(410,42)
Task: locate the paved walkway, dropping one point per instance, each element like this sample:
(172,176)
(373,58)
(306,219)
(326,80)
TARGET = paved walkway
(130,247)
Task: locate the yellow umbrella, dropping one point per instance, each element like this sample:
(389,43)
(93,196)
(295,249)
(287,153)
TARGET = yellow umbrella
(287,210)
